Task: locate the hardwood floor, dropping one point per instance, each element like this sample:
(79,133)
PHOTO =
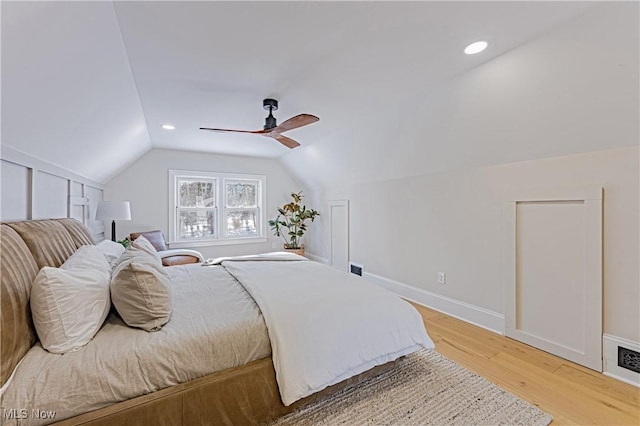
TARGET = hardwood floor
(572,394)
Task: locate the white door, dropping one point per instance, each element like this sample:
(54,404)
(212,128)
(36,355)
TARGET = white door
(339,241)
(553,271)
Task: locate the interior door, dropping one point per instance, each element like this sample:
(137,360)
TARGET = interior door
(339,241)
(553,272)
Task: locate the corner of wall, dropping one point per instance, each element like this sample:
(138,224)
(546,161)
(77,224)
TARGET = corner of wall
(316,258)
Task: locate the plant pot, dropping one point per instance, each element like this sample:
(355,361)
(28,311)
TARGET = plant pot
(299,252)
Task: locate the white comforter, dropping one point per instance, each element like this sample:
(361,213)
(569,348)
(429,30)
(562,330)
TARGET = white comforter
(326,325)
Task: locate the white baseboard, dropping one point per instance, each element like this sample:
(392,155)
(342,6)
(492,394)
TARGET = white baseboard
(610,345)
(494,321)
(316,258)
(475,315)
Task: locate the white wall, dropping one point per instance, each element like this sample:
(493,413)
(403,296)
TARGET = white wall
(561,110)
(146,185)
(410,229)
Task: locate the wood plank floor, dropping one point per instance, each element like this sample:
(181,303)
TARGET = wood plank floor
(572,394)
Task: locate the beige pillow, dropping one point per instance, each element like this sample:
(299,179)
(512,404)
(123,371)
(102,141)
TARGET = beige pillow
(140,290)
(70,303)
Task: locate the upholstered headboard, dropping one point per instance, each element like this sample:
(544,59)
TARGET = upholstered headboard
(25,248)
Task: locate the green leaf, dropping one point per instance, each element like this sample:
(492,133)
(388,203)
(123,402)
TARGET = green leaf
(292,216)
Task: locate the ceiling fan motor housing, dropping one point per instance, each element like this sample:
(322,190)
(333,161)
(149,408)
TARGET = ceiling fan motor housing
(270,122)
(270,105)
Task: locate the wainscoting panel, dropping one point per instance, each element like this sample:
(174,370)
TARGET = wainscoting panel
(16,187)
(94,194)
(52,193)
(35,189)
(77,201)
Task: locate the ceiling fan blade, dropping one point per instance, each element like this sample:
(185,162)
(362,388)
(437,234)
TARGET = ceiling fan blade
(288,142)
(236,131)
(295,122)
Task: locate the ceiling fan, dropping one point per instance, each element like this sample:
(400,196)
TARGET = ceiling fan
(271,127)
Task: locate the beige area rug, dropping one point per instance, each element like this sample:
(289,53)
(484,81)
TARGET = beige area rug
(425,389)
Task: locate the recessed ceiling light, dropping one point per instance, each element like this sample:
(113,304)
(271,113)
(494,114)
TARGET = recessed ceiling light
(476,47)
(168,127)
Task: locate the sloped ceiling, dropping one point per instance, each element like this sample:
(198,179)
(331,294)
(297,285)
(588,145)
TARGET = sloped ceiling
(87,85)
(68,95)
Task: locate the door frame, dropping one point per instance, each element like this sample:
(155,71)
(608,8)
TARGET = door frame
(592,198)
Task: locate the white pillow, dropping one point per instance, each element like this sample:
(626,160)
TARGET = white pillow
(70,303)
(111,250)
(141,243)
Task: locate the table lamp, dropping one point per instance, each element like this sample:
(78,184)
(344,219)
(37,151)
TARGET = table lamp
(113,210)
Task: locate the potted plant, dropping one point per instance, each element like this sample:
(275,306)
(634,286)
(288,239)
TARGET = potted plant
(292,216)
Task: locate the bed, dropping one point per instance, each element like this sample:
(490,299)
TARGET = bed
(244,344)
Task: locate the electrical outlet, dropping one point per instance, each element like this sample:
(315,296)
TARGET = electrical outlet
(442,278)
(273,245)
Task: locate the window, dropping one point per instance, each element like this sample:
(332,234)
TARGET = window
(215,208)
(196,208)
(241,207)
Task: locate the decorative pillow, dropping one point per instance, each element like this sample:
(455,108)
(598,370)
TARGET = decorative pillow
(111,251)
(69,304)
(140,290)
(133,252)
(141,243)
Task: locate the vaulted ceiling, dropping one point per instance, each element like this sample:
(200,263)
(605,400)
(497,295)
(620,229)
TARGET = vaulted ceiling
(87,85)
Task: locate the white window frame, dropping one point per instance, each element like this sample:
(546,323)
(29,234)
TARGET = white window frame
(221,238)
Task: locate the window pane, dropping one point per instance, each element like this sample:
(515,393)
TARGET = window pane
(242,194)
(196,193)
(242,223)
(196,224)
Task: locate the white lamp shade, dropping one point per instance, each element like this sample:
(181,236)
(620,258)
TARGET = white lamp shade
(113,210)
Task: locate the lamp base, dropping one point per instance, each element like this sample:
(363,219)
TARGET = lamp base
(113,230)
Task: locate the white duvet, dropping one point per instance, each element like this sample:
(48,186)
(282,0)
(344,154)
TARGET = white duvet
(326,325)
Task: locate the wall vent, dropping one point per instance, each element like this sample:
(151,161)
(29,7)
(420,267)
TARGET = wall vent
(354,268)
(628,359)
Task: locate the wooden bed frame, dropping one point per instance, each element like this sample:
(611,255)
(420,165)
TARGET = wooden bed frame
(243,395)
